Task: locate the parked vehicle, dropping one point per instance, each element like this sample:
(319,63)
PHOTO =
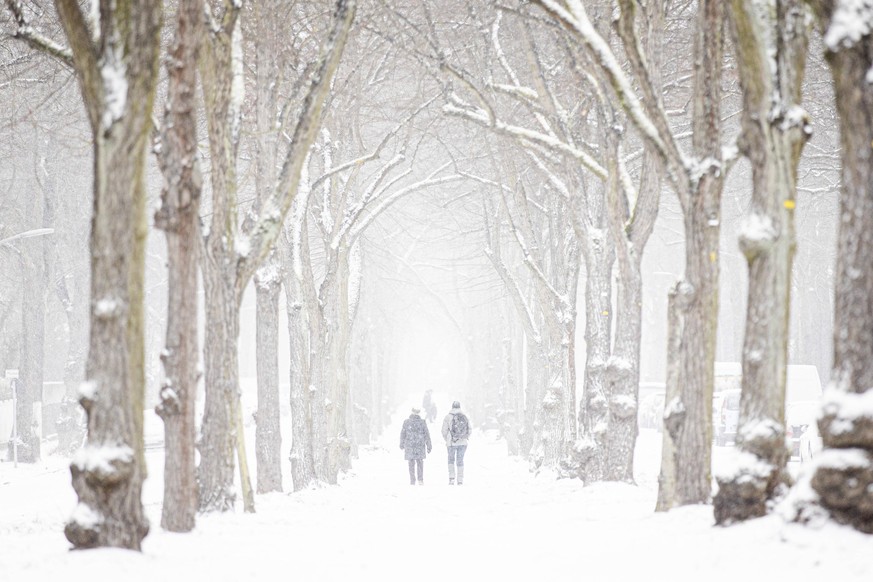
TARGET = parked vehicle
(726,416)
(651,413)
(809,444)
(799,417)
(717,398)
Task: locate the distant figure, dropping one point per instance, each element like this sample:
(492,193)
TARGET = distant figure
(415,441)
(456,431)
(429,406)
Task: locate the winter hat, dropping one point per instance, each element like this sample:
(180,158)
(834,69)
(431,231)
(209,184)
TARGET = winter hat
(456,404)
(415,410)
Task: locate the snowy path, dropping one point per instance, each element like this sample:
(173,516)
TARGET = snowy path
(502,524)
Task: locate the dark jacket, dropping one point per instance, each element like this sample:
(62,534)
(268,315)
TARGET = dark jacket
(415,438)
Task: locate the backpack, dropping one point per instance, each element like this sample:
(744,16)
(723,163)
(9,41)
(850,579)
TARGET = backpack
(460,427)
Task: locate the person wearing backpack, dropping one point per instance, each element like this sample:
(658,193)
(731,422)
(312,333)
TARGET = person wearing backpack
(456,432)
(414,441)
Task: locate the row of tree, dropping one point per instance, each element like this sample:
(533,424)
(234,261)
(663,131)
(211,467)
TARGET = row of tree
(582,112)
(574,118)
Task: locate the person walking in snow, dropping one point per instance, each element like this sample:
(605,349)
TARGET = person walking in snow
(429,406)
(415,442)
(456,432)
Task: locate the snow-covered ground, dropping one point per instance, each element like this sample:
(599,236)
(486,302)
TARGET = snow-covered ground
(502,524)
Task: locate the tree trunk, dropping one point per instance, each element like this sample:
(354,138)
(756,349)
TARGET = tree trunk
(843,475)
(180,358)
(542,452)
(220,66)
(109,470)
(774,132)
(268,282)
(691,356)
(318,402)
(268,435)
(335,336)
(179,217)
(31,359)
(221,362)
(686,478)
(301,456)
(623,377)
(594,408)
(233,257)
(630,235)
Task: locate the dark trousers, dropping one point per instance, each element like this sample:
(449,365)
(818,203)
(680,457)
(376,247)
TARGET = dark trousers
(413,464)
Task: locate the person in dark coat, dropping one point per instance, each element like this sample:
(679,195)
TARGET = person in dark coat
(415,441)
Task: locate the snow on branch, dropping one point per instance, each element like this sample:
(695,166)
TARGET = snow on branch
(516,293)
(515,90)
(385,203)
(354,214)
(556,182)
(375,153)
(25,32)
(575,19)
(459,108)
(269,224)
(498,49)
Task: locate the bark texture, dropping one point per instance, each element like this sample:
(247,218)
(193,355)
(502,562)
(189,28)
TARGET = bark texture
(690,361)
(109,470)
(843,478)
(770,40)
(179,218)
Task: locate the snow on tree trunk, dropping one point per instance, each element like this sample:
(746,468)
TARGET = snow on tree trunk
(221,252)
(631,218)
(693,305)
(178,216)
(770,40)
(334,340)
(297,284)
(623,377)
(842,479)
(267,36)
(302,470)
(232,257)
(268,437)
(117,76)
(591,450)
(692,315)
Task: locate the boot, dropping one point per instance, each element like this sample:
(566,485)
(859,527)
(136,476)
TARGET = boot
(452,474)
(461,475)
